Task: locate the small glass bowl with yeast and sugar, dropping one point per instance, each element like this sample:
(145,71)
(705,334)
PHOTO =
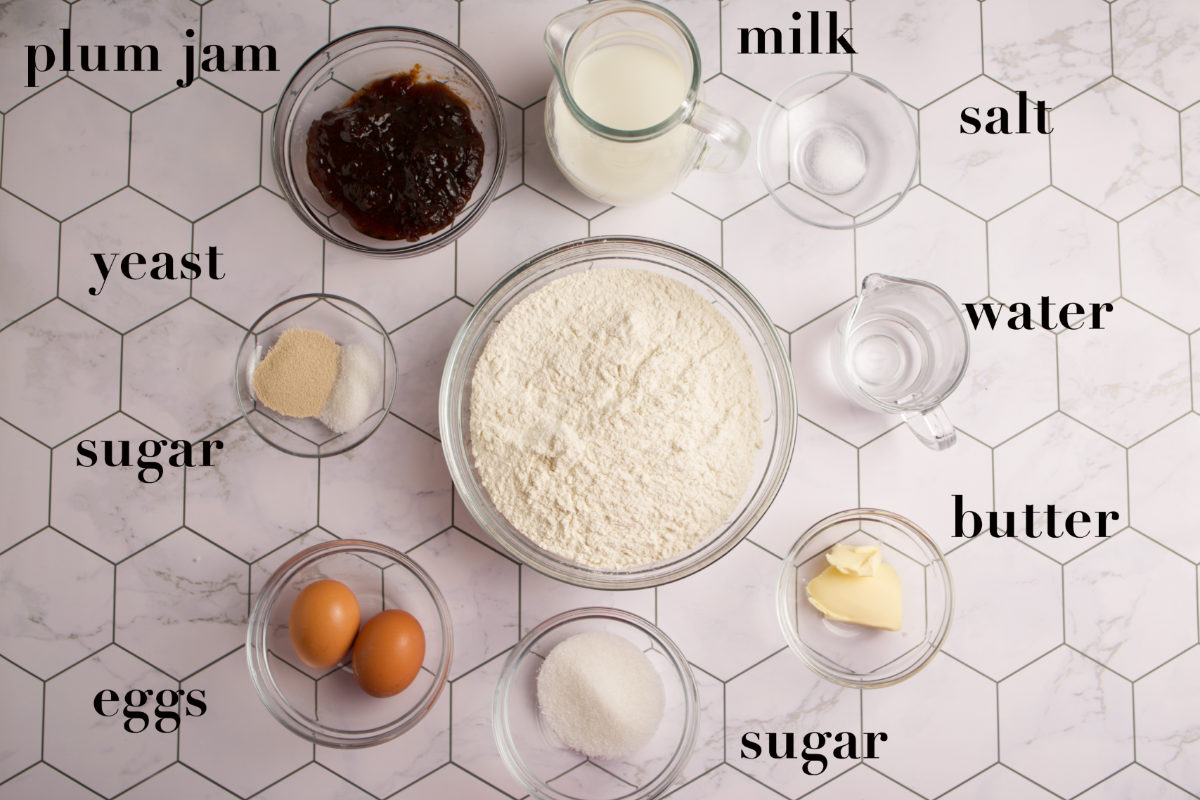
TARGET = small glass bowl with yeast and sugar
(389,141)
(617,412)
(315,375)
(865,598)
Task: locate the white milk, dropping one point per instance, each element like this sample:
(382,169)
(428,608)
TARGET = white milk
(627,87)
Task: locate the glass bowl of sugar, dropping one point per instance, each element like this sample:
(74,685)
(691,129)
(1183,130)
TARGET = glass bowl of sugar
(837,150)
(315,375)
(538,757)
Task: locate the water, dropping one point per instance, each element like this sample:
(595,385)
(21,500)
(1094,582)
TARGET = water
(888,357)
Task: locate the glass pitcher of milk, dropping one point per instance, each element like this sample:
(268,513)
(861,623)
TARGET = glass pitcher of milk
(623,118)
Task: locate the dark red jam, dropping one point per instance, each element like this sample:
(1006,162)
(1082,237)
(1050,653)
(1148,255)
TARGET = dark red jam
(399,160)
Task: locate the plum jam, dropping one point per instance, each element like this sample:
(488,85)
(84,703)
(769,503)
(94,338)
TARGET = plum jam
(400,159)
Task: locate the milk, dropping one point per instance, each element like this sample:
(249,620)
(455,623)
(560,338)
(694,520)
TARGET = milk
(627,87)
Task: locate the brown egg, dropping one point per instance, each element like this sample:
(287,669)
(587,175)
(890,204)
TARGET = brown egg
(323,622)
(388,653)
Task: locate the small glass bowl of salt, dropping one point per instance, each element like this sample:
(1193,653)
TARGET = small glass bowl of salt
(315,375)
(544,764)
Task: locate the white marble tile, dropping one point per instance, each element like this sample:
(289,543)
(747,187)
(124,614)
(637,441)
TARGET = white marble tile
(109,509)
(394,488)
(175,387)
(1162,473)
(28,257)
(982,172)
(862,782)
(919,50)
(313,782)
(1052,51)
(724,781)
(782,696)
(1102,374)
(181,602)
(471,741)
(507,42)
(96,750)
(1054,246)
(1135,782)
(698,17)
(723,617)
(1115,148)
(21,708)
(1155,47)
(177,781)
(1007,606)
(709,749)
(1189,136)
(55,602)
(254,497)
(197,119)
(669,219)
(1157,244)
(543,597)
(42,349)
(42,781)
(65,149)
(449,781)
(395,290)
(998,783)
(421,349)
(40,23)
(1088,474)
(22,490)
(435,16)
(1066,722)
(1168,739)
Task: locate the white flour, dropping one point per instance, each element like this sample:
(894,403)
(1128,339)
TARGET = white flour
(615,418)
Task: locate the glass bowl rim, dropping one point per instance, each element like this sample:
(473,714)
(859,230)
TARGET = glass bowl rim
(300,85)
(873,213)
(259,664)
(783,606)
(470,340)
(315,298)
(502,732)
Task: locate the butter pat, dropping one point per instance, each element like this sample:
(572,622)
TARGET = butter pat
(859,588)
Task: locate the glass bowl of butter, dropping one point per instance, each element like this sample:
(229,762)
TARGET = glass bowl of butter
(865,598)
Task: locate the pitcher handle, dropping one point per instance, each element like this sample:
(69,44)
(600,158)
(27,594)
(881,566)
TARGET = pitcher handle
(727,140)
(932,427)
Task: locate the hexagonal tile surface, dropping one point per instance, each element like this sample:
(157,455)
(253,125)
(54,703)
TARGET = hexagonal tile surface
(37,351)
(177,781)
(1156,243)
(21,489)
(395,291)
(181,602)
(65,148)
(197,119)
(111,509)
(782,695)
(1141,56)
(1130,605)
(57,603)
(115,229)
(723,617)
(896,44)
(29,268)
(1053,52)
(21,706)
(862,781)
(173,386)
(724,781)
(1054,246)
(98,751)
(430,15)
(1162,470)
(42,781)
(1005,599)
(1189,123)
(1115,148)
(1066,722)
(421,349)
(997,782)
(984,173)
(40,24)
(1098,370)
(508,45)
(1135,782)
(1166,739)
(449,781)
(1088,476)
(235,723)
(669,219)
(312,781)
(254,498)
(471,740)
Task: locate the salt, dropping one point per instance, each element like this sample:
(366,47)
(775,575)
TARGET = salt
(356,392)
(600,695)
(832,160)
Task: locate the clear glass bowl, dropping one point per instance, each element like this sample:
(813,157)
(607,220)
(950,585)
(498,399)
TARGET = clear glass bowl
(551,771)
(767,356)
(344,321)
(853,655)
(837,150)
(338,713)
(332,75)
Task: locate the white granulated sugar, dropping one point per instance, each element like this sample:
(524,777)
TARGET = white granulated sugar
(600,695)
(615,418)
(357,390)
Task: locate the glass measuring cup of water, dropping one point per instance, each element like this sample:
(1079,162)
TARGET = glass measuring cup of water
(623,117)
(903,349)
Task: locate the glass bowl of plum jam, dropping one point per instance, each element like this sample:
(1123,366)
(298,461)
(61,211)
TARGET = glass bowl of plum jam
(389,141)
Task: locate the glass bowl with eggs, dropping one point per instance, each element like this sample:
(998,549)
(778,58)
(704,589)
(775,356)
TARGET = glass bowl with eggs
(595,703)
(349,643)
(617,412)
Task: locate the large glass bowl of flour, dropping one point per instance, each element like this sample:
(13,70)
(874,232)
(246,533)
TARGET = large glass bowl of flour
(765,367)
